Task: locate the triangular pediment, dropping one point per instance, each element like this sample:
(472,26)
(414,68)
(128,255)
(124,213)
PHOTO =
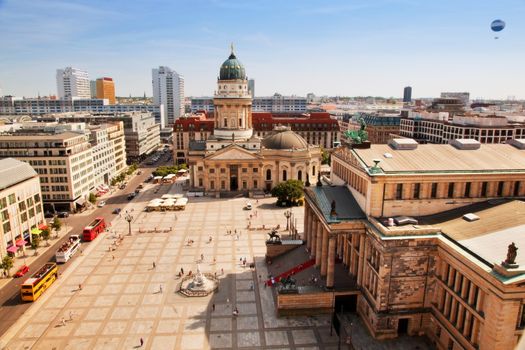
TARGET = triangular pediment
(233,152)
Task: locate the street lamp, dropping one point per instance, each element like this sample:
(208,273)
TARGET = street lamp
(287,215)
(129,218)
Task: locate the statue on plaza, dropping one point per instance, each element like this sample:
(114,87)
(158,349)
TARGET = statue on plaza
(288,285)
(512,252)
(274,237)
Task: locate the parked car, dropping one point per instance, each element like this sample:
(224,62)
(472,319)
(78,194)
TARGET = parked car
(248,206)
(101,204)
(117,211)
(131,196)
(49,214)
(22,271)
(63,214)
(123,186)
(139,172)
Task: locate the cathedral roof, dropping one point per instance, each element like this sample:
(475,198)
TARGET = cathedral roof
(232,69)
(284,139)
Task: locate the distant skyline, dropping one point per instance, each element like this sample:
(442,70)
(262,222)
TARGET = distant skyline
(345,48)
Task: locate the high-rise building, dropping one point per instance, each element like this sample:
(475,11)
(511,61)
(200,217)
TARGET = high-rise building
(251,87)
(106,89)
(93,88)
(73,82)
(407,94)
(168,90)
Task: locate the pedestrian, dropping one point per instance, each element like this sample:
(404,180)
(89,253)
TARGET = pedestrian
(202,257)
(251,286)
(154,265)
(213,307)
(214,261)
(160,289)
(215,274)
(141,342)
(113,257)
(63,321)
(182,270)
(222,271)
(79,286)
(71,315)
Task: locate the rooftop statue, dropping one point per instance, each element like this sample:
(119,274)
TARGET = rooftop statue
(358,136)
(512,252)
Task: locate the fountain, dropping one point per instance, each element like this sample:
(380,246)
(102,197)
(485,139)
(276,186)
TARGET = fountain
(199,285)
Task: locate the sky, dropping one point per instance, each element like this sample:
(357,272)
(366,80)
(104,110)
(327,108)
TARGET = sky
(293,47)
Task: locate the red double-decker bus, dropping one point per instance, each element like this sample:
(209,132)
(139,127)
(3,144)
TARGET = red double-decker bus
(92,230)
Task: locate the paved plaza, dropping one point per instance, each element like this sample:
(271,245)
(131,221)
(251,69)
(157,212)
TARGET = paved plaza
(124,297)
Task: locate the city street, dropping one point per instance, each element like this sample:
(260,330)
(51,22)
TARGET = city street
(11,306)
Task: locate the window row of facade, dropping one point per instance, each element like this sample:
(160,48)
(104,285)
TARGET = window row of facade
(460,301)
(451,190)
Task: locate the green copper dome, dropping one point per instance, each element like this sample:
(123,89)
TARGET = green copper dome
(232,69)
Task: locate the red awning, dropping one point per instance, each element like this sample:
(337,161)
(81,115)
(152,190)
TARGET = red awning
(21,242)
(12,249)
(42,226)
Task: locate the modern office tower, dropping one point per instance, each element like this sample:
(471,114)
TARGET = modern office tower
(407,94)
(106,89)
(251,87)
(21,203)
(73,82)
(168,90)
(93,88)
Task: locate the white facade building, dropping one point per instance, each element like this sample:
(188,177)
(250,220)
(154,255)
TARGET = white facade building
(20,205)
(73,82)
(168,90)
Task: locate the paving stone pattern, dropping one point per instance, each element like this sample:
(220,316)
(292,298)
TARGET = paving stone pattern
(124,298)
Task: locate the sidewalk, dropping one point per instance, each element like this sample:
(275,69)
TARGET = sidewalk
(30,256)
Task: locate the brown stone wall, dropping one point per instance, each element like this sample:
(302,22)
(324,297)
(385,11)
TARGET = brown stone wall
(317,301)
(406,292)
(273,250)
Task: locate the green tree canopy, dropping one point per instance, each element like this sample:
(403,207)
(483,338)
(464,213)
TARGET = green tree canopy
(92,198)
(166,170)
(56,224)
(7,264)
(46,234)
(288,192)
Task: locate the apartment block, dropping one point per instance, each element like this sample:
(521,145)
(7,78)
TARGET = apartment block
(141,131)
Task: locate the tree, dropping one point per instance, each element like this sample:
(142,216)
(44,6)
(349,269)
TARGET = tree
(7,264)
(92,198)
(46,234)
(56,224)
(325,156)
(288,193)
(35,242)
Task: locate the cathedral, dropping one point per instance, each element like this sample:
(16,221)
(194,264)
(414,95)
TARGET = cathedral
(233,159)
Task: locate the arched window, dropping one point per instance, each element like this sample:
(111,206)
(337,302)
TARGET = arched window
(268,175)
(300,175)
(284,175)
(225,122)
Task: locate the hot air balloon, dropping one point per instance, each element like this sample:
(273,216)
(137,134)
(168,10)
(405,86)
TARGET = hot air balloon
(497,26)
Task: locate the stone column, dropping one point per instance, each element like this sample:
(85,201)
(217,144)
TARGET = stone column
(324,253)
(318,243)
(313,236)
(308,229)
(331,262)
